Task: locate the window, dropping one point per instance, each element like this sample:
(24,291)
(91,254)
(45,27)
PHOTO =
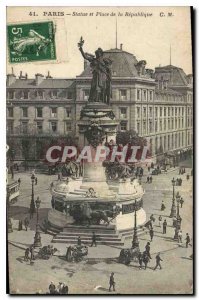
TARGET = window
(54,126)
(70,95)
(156,112)
(150,112)
(138,127)
(24,94)
(165,125)
(10,112)
(123,126)
(123,94)
(165,111)
(54,112)
(144,95)
(39,127)
(68,112)
(176,111)
(54,94)
(10,126)
(168,111)
(144,127)
(24,112)
(176,123)
(182,111)
(39,112)
(68,126)
(40,94)
(138,112)
(10,95)
(165,143)
(168,142)
(24,127)
(144,112)
(160,125)
(156,125)
(150,95)
(123,113)
(150,126)
(172,111)
(168,124)
(86,94)
(160,111)
(138,94)
(172,124)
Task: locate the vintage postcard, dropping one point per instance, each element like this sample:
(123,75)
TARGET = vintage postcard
(99,150)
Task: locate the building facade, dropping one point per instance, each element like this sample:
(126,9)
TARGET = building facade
(157,104)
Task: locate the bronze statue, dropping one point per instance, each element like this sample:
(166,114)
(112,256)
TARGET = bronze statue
(101,68)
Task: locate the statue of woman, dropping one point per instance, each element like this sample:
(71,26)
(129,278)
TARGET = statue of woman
(101,69)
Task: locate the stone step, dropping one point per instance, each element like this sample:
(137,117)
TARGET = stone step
(88,238)
(107,235)
(72,241)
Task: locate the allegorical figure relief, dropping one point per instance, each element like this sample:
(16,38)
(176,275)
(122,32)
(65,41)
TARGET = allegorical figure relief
(101,68)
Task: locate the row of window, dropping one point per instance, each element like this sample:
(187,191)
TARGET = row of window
(24,127)
(163,111)
(25,94)
(39,112)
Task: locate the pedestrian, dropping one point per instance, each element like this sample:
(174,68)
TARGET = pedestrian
(26,257)
(191,172)
(163,206)
(158,260)
(19,182)
(151,179)
(160,221)
(20,226)
(180,236)
(32,252)
(165,227)
(59,287)
(151,232)
(140,259)
(64,289)
(181,202)
(147,249)
(52,288)
(79,241)
(94,240)
(35,180)
(69,257)
(187,176)
(188,240)
(146,259)
(112,282)
(147,179)
(26,223)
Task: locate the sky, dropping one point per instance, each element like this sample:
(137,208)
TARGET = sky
(147,37)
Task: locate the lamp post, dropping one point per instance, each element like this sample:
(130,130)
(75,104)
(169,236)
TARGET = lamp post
(135,242)
(32,203)
(178,221)
(9,223)
(173,206)
(37,238)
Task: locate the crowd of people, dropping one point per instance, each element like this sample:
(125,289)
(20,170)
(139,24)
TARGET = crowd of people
(61,289)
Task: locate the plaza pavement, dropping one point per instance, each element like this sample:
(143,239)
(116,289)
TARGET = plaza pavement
(175,256)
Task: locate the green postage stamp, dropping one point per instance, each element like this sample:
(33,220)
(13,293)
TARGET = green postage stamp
(31,42)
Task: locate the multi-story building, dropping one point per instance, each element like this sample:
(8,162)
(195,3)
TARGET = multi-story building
(157,105)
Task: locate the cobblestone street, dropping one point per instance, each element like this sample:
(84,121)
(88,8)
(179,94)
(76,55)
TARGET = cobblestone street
(92,276)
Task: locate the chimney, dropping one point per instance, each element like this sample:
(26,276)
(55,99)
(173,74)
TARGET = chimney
(11,78)
(121,46)
(48,75)
(38,78)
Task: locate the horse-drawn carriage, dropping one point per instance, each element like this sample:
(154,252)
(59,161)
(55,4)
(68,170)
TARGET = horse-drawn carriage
(46,252)
(128,255)
(76,253)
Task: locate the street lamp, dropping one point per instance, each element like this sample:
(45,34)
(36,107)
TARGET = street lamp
(135,242)
(178,221)
(32,203)
(37,238)
(173,206)
(9,224)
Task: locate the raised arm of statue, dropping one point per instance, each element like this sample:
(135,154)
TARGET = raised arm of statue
(86,56)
